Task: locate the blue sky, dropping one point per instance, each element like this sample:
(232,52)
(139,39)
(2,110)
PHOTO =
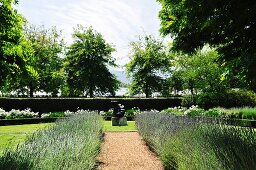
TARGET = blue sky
(120,21)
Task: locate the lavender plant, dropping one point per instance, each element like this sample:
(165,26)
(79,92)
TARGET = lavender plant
(184,142)
(72,143)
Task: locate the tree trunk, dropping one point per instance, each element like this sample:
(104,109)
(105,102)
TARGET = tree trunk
(91,91)
(147,91)
(31,90)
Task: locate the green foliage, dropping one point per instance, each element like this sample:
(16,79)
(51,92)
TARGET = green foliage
(188,101)
(178,111)
(211,147)
(248,113)
(219,112)
(149,63)
(194,111)
(132,112)
(87,64)
(72,143)
(56,114)
(199,72)
(214,112)
(174,83)
(45,67)
(12,57)
(188,143)
(228,99)
(108,113)
(237,113)
(228,25)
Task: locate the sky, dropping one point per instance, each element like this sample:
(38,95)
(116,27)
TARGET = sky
(119,21)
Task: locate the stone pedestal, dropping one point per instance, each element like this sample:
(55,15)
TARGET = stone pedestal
(119,121)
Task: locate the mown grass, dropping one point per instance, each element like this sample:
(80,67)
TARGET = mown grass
(72,143)
(28,128)
(109,128)
(11,141)
(13,135)
(198,143)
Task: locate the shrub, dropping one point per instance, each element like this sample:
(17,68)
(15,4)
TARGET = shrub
(2,114)
(194,111)
(198,143)
(17,114)
(46,105)
(71,143)
(188,101)
(248,113)
(55,114)
(209,100)
(108,113)
(236,113)
(228,99)
(132,112)
(178,111)
(214,112)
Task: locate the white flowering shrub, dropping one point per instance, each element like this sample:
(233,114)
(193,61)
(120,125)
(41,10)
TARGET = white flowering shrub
(107,113)
(68,113)
(194,111)
(132,112)
(2,114)
(178,111)
(18,114)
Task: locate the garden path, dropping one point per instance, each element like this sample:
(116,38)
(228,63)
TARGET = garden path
(126,151)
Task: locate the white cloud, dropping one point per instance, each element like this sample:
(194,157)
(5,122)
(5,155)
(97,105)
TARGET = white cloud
(120,21)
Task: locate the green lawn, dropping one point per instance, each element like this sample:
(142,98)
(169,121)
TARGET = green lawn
(109,128)
(11,136)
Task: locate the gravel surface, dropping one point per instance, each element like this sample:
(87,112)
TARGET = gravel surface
(126,151)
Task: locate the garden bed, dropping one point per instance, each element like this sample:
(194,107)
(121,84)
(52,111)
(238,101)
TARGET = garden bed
(185,142)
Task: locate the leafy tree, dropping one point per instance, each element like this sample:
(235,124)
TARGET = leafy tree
(200,71)
(87,64)
(45,67)
(174,83)
(229,25)
(12,58)
(148,66)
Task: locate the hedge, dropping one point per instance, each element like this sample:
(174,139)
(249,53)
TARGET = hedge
(45,105)
(227,99)
(5,122)
(129,118)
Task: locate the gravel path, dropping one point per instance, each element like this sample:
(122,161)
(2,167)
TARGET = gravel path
(126,151)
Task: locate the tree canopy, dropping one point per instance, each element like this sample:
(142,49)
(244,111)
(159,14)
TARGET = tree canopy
(12,43)
(148,66)
(44,67)
(87,64)
(201,71)
(228,25)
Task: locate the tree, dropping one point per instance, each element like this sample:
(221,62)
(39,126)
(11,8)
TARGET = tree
(45,66)
(228,25)
(12,58)
(174,83)
(87,64)
(148,66)
(200,71)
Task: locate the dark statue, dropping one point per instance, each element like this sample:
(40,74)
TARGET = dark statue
(118,109)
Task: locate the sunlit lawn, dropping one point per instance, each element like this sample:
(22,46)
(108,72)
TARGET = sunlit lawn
(11,136)
(109,128)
